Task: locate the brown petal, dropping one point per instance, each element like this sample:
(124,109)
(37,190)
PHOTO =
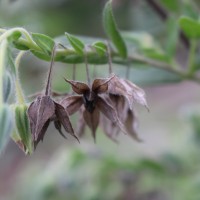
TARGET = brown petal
(109,112)
(63,117)
(41,135)
(58,126)
(81,124)
(101,85)
(92,120)
(131,125)
(72,103)
(137,93)
(120,104)
(110,129)
(39,112)
(78,87)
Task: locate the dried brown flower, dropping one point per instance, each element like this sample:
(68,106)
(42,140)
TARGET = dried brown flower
(127,117)
(129,90)
(44,110)
(93,101)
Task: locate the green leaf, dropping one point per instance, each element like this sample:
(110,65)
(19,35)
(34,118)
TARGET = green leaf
(9,60)
(100,47)
(77,44)
(5,125)
(20,46)
(45,42)
(112,30)
(41,55)
(172,5)
(190,27)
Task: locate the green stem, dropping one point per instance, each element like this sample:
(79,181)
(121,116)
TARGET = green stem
(192,51)
(29,40)
(18,88)
(3,49)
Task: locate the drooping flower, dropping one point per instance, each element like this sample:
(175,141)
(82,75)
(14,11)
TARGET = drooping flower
(94,103)
(44,110)
(129,90)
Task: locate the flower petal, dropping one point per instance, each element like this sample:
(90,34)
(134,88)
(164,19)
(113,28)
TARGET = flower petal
(131,125)
(137,93)
(92,120)
(58,126)
(110,113)
(39,112)
(63,117)
(72,103)
(78,87)
(81,124)
(101,85)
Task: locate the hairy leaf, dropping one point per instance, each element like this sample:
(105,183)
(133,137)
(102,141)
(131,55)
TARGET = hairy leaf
(77,44)
(45,42)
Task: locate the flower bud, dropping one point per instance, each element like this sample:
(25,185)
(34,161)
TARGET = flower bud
(5,125)
(22,135)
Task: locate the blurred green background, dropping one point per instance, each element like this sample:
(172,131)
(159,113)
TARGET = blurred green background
(165,166)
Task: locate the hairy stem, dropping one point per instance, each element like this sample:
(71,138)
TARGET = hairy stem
(19,92)
(3,49)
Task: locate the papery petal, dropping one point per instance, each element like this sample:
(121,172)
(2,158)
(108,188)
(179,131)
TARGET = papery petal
(117,87)
(42,133)
(78,87)
(63,117)
(39,112)
(109,112)
(101,85)
(81,124)
(110,129)
(119,102)
(137,93)
(131,125)
(92,120)
(72,103)
(58,126)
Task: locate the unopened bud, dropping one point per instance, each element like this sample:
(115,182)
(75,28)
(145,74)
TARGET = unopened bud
(22,135)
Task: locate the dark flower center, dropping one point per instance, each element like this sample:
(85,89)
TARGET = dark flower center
(89,100)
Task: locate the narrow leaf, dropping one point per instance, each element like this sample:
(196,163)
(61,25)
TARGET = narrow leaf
(100,47)
(45,42)
(77,44)
(190,27)
(112,30)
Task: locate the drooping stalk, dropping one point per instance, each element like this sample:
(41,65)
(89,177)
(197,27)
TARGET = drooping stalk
(86,67)
(48,85)
(109,58)
(19,92)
